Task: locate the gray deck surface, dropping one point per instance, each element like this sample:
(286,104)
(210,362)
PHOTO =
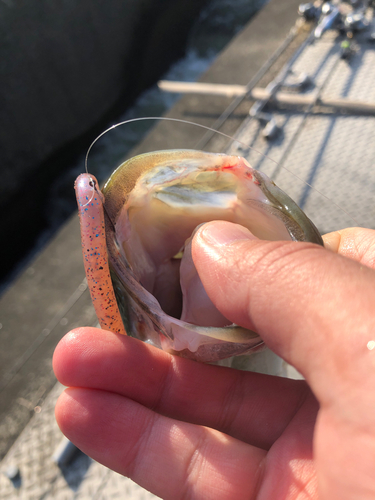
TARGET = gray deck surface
(334,153)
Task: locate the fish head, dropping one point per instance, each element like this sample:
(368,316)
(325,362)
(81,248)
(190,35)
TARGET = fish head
(153,204)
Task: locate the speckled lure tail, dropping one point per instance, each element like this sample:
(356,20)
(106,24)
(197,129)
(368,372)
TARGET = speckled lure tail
(90,206)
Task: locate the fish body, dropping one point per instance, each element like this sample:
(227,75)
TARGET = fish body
(153,204)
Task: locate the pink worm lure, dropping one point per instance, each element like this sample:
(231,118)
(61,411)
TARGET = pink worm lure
(95,258)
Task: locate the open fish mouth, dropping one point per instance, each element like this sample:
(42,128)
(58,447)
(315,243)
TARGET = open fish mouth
(153,204)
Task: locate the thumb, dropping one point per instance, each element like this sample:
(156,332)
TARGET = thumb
(312,307)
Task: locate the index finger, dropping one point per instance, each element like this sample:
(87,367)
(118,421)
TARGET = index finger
(241,404)
(356,243)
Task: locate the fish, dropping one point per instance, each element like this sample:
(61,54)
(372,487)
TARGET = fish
(136,240)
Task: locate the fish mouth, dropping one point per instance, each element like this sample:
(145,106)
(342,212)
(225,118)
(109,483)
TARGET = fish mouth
(159,292)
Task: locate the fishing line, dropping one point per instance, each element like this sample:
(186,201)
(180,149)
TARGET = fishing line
(223,134)
(179,120)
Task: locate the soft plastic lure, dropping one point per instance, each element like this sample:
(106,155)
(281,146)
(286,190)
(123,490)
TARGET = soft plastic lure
(95,257)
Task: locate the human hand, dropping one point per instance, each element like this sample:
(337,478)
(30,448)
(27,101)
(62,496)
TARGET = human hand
(187,430)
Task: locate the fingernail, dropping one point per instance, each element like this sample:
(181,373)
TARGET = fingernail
(223,233)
